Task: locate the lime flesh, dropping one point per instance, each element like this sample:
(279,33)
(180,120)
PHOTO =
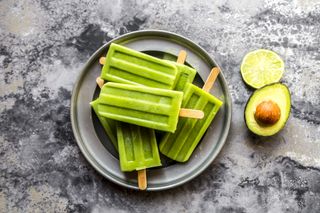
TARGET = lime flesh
(261,67)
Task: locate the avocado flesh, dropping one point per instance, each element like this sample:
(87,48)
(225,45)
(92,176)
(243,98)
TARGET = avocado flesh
(277,93)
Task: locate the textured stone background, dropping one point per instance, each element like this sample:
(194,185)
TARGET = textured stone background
(43,46)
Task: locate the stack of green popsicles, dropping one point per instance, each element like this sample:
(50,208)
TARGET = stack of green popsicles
(144,94)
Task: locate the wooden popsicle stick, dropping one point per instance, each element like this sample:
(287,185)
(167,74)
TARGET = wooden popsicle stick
(191,113)
(211,79)
(142,179)
(100,82)
(102,60)
(182,57)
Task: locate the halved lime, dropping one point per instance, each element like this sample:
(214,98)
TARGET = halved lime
(261,67)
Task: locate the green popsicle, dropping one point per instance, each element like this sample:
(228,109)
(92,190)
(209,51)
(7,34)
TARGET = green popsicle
(185,74)
(144,106)
(125,65)
(138,147)
(180,145)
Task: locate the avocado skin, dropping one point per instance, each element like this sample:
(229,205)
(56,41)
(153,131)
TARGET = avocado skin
(287,117)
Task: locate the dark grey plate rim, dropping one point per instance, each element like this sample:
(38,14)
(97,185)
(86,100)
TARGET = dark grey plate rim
(91,158)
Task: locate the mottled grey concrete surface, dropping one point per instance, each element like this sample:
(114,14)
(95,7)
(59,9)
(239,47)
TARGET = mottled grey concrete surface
(43,46)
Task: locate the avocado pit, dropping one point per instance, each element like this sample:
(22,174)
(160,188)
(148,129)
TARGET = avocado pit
(267,113)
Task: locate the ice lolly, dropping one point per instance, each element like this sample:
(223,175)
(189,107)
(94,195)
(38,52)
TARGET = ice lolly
(185,74)
(144,106)
(138,147)
(138,150)
(108,125)
(180,145)
(125,65)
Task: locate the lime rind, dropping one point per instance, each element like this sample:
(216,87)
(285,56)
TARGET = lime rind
(261,67)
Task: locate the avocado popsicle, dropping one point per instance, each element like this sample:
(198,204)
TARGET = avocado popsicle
(185,74)
(180,144)
(125,65)
(144,106)
(138,147)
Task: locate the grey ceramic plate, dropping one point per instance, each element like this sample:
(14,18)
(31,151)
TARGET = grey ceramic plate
(96,146)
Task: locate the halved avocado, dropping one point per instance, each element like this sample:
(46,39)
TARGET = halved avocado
(262,115)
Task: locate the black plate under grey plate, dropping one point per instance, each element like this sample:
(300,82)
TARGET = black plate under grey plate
(96,146)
